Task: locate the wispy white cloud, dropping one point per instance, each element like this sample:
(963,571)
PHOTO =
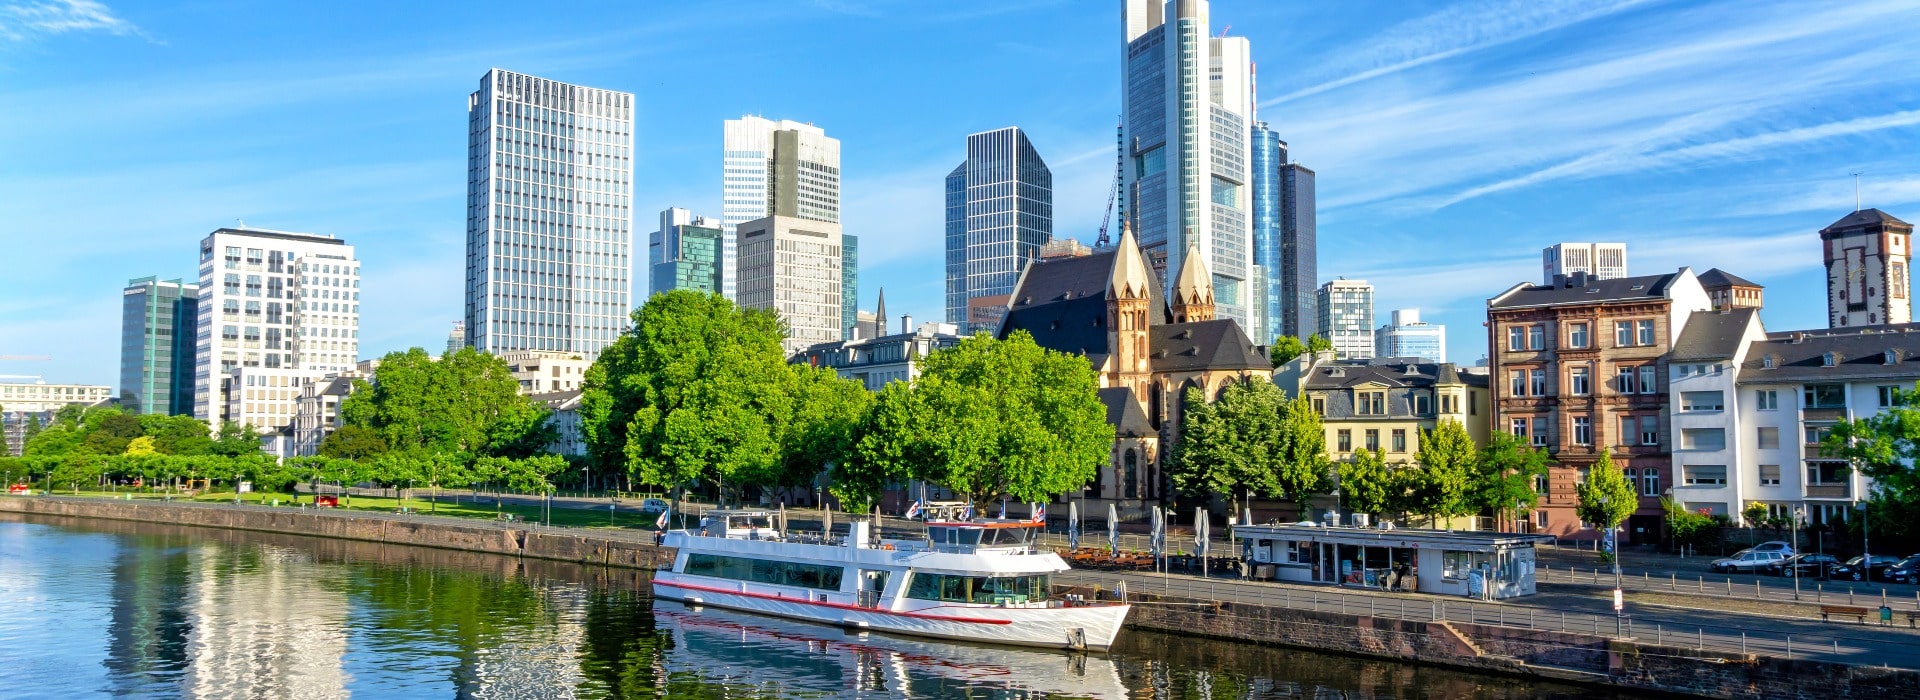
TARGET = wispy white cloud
(1453,31)
(20,21)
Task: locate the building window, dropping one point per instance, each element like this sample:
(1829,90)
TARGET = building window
(1583,430)
(1516,337)
(1371,403)
(1702,401)
(1578,381)
(1816,435)
(1825,396)
(1518,382)
(1540,516)
(1622,333)
(1624,382)
(1627,431)
(1577,335)
(1769,475)
(1373,439)
(1707,439)
(1647,385)
(1344,438)
(1704,474)
(1320,406)
(1646,332)
(1539,382)
(1889,396)
(1650,430)
(1399,440)
(1520,427)
(1769,438)
(1539,432)
(1650,482)
(1766,399)
(1449,403)
(1826,473)
(1536,337)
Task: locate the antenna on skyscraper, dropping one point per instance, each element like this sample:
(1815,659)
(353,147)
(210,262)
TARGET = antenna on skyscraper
(1856,191)
(1113,193)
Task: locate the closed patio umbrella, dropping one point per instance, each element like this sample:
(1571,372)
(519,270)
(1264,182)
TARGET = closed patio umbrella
(1113,530)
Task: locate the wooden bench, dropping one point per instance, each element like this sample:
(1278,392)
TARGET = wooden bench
(1853,611)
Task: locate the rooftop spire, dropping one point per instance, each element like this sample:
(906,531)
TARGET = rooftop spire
(1129,278)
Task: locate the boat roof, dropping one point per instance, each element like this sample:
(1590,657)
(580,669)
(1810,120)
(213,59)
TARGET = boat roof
(759,511)
(1451,540)
(988,524)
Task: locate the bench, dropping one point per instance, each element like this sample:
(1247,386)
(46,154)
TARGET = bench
(1853,611)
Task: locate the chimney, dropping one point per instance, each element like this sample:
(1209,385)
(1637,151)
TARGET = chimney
(906,323)
(1559,280)
(1579,279)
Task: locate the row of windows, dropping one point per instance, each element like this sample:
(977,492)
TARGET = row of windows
(1629,333)
(779,573)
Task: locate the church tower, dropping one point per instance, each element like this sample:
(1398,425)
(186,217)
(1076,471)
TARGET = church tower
(1867,255)
(1129,304)
(1193,291)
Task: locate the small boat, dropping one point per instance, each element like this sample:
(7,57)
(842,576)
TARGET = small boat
(979,581)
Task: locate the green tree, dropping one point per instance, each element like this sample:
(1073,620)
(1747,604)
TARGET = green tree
(1232,446)
(993,418)
(1606,498)
(827,415)
(353,442)
(1882,447)
(177,435)
(1755,514)
(1318,343)
(465,402)
(1284,349)
(109,433)
(1367,485)
(57,441)
(235,440)
(33,428)
(1448,460)
(140,447)
(885,451)
(1302,468)
(1503,482)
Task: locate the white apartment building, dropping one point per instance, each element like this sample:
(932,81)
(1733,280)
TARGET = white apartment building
(770,167)
(792,265)
(546,372)
(1604,261)
(1186,122)
(317,412)
(21,402)
(564,416)
(877,361)
(1708,429)
(272,300)
(549,215)
(1346,317)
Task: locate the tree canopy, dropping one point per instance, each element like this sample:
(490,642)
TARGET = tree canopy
(1367,485)
(1318,343)
(353,442)
(1606,498)
(1448,460)
(1503,480)
(1233,446)
(1883,447)
(465,403)
(1284,349)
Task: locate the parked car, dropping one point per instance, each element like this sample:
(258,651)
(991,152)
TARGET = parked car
(654,505)
(1907,571)
(1856,570)
(1746,561)
(1804,565)
(1773,546)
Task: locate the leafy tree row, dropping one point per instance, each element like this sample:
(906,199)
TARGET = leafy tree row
(1287,347)
(108,431)
(466,403)
(87,471)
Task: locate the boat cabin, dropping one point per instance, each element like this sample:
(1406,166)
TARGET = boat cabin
(1483,565)
(740,524)
(969,537)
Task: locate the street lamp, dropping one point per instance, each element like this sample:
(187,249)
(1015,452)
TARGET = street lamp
(1619,600)
(1866,549)
(1793,519)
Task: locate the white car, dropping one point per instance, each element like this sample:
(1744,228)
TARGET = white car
(654,505)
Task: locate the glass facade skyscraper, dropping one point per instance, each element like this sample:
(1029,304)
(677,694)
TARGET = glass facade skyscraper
(999,213)
(684,253)
(769,167)
(849,283)
(1269,304)
(549,215)
(1298,268)
(1186,116)
(158,322)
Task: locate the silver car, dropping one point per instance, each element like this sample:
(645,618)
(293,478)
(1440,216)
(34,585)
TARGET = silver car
(1747,561)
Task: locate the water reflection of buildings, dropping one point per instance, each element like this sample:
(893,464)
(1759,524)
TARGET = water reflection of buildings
(264,624)
(776,656)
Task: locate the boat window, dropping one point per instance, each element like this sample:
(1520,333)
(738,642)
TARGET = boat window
(779,573)
(968,535)
(1008,536)
(977,589)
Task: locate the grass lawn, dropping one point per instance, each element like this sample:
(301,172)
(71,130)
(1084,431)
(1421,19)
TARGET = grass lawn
(466,507)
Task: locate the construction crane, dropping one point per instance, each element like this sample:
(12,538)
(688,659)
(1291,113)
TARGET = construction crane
(1113,193)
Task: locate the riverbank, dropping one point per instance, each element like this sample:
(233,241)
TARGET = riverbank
(1558,655)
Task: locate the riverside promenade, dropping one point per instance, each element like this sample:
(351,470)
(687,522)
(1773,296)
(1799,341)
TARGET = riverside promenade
(1683,645)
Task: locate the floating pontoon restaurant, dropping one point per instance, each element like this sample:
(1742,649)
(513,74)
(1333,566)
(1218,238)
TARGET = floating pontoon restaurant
(1438,561)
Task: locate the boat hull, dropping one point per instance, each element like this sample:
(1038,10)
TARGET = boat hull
(1091,627)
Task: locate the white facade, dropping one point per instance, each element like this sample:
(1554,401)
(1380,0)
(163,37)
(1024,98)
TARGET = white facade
(1599,260)
(748,181)
(1346,317)
(546,372)
(267,400)
(317,412)
(272,300)
(1408,336)
(1712,447)
(1186,121)
(876,362)
(549,215)
(21,402)
(564,415)
(792,266)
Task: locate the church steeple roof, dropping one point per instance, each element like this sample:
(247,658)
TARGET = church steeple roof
(1129,278)
(880,314)
(1194,283)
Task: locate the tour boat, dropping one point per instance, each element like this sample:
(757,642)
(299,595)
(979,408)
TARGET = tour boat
(980,581)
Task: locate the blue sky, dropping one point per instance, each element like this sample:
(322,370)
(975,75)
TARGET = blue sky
(1452,142)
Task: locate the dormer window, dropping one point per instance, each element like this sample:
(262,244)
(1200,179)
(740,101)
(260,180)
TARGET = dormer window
(1829,359)
(1891,356)
(1769,362)
(1370,403)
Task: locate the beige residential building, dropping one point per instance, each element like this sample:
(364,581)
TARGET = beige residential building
(793,266)
(1390,406)
(543,372)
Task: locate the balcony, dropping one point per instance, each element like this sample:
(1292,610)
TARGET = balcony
(1838,491)
(1823,414)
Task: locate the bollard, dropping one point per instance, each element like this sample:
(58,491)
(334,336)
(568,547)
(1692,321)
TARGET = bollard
(1529,618)
(1820,593)
(1659,635)
(1703,584)
(1743,643)
(1503,616)
(1673,581)
(1836,647)
(1729,588)
(1849,595)
(1756,588)
(1789,647)
(1702,643)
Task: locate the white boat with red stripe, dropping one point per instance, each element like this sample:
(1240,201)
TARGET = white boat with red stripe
(981,581)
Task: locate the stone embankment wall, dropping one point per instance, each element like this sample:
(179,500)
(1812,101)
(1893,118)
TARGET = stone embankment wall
(1515,651)
(580,547)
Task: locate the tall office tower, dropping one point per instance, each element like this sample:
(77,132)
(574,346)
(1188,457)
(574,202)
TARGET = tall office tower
(849,284)
(783,168)
(1867,255)
(1299,267)
(272,302)
(1408,336)
(549,215)
(1601,261)
(1269,310)
(1346,317)
(157,325)
(684,253)
(792,265)
(1187,111)
(456,339)
(999,214)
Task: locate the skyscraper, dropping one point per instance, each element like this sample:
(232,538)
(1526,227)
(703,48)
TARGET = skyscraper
(1601,261)
(158,323)
(549,215)
(684,253)
(1187,109)
(1346,317)
(272,304)
(792,266)
(1408,336)
(1269,306)
(1299,270)
(999,214)
(849,284)
(784,168)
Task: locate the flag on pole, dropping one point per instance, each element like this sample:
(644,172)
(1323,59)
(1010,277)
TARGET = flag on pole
(913,511)
(661,523)
(1039,512)
(1200,530)
(1158,540)
(1073,525)
(1113,530)
(967,515)
(1003,509)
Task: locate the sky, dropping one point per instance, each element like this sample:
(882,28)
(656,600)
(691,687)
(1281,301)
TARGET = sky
(1452,141)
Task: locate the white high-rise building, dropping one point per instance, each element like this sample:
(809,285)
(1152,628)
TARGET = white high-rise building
(1346,317)
(1601,261)
(549,215)
(792,265)
(276,304)
(1408,336)
(783,168)
(1186,118)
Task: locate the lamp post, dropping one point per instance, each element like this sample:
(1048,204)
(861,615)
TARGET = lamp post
(236,489)
(1866,548)
(1619,599)
(1793,519)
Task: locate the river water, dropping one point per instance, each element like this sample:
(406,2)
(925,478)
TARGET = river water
(97,608)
